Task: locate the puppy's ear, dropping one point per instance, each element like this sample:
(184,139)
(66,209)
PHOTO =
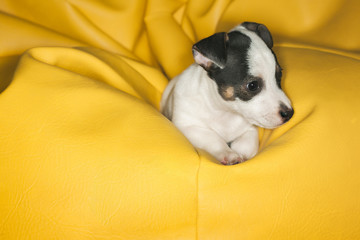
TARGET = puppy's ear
(261,30)
(210,53)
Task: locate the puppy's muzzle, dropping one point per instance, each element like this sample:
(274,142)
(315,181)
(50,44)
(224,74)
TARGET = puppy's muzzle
(286,113)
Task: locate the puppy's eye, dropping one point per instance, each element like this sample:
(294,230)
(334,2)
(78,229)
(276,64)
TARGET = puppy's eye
(253,86)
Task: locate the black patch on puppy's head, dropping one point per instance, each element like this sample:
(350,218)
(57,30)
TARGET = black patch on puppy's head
(261,30)
(225,58)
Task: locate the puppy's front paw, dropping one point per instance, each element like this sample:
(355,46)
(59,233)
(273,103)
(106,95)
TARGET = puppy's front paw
(231,158)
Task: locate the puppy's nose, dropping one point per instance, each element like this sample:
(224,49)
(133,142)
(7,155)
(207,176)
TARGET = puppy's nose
(286,113)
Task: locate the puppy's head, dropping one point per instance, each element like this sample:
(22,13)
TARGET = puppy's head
(247,73)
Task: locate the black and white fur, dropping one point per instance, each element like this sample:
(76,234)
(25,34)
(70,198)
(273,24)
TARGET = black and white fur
(233,86)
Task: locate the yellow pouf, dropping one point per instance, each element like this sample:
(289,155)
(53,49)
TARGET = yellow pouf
(85,153)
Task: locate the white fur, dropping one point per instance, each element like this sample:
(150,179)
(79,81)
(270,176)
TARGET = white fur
(192,102)
(263,109)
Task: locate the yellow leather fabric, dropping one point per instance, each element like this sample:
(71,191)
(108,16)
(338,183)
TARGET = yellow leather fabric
(85,154)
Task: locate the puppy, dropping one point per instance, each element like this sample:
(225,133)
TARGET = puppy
(233,86)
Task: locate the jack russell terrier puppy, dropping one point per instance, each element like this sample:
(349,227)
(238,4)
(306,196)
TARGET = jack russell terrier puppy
(233,86)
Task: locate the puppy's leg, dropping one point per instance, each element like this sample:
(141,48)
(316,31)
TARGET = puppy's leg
(247,145)
(211,142)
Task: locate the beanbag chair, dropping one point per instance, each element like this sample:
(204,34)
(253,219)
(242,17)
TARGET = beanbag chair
(85,153)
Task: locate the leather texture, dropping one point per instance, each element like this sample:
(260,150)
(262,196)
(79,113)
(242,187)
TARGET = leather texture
(85,153)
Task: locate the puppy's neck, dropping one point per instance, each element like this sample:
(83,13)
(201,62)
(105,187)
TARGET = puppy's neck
(208,89)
